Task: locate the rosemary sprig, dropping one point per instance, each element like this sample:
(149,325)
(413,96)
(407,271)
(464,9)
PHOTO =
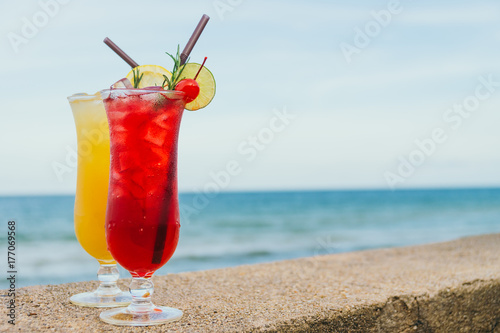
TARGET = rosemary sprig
(137,77)
(176,71)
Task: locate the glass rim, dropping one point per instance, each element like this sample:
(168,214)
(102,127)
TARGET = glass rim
(170,94)
(84,96)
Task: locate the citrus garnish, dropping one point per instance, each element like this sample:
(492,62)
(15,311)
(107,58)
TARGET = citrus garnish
(206,82)
(150,75)
(194,76)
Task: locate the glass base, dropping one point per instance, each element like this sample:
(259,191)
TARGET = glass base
(92,299)
(123,317)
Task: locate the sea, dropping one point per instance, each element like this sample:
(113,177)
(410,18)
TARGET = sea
(231,229)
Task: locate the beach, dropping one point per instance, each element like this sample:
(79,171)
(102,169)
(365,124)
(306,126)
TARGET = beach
(442,287)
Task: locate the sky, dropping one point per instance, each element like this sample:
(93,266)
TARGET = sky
(310,94)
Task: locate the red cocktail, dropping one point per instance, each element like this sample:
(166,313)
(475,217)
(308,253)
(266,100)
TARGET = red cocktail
(142,222)
(142,218)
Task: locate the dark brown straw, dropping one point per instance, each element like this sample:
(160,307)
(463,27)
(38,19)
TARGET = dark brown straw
(166,210)
(162,231)
(194,38)
(120,52)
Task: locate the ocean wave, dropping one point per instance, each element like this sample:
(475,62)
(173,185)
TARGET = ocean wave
(245,228)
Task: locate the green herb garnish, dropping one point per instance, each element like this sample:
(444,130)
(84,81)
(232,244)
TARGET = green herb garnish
(176,72)
(137,77)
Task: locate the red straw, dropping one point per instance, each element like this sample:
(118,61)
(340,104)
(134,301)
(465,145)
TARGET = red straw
(199,70)
(120,52)
(194,38)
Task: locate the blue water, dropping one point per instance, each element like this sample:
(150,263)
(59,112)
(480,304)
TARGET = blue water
(243,228)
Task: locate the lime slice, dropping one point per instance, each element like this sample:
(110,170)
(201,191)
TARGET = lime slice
(152,75)
(206,82)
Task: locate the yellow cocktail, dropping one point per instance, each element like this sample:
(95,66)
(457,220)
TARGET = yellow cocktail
(91,198)
(93,176)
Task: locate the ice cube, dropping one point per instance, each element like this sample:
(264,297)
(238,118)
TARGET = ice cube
(130,180)
(117,94)
(123,83)
(118,141)
(119,129)
(127,161)
(118,119)
(135,189)
(137,176)
(116,176)
(149,96)
(156,99)
(118,192)
(162,120)
(155,134)
(159,157)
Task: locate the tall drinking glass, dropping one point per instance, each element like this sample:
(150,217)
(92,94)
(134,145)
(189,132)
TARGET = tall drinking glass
(142,220)
(91,197)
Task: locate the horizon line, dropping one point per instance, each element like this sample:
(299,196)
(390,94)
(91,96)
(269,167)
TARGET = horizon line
(291,190)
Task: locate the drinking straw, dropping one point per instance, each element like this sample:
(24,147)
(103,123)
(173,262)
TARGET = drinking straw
(162,230)
(120,52)
(161,233)
(201,67)
(163,225)
(194,38)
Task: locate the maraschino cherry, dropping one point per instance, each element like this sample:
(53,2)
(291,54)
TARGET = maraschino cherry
(190,87)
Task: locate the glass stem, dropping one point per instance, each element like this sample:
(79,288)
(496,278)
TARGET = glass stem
(141,290)
(107,276)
